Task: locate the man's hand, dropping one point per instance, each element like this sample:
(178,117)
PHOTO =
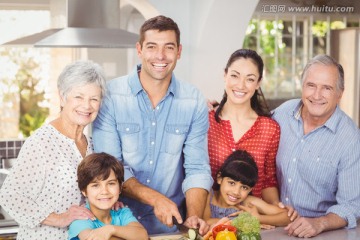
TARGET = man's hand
(165,209)
(118,205)
(305,227)
(211,104)
(198,223)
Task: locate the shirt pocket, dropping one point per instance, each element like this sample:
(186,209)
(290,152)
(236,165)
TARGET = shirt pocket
(129,135)
(175,137)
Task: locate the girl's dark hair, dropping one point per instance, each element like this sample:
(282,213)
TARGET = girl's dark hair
(98,166)
(239,166)
(257,101)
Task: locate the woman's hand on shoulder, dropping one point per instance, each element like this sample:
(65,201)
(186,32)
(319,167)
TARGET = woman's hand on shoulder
(75,213)
(63,220)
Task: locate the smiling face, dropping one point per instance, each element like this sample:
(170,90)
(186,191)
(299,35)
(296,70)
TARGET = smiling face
(81,104)
(159,53)
(241,81)
(232,192)
(320,94)
(102,194)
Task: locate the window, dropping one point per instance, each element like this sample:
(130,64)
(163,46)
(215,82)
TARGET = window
(286,44)
(23,74)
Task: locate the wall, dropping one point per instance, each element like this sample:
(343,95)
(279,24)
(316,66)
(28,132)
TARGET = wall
(210,31)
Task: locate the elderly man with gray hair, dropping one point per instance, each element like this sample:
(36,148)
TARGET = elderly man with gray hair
(318,161)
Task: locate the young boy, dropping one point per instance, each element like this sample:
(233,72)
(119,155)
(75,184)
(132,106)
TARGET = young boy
(100,177)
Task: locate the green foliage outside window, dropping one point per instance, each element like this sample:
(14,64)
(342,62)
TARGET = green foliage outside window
(26,81)
(275,40)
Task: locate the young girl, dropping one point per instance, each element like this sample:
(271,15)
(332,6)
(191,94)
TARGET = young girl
(234,182)
(100,177)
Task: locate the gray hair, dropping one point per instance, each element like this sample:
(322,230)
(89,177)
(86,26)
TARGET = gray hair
(328,61)
(81,73)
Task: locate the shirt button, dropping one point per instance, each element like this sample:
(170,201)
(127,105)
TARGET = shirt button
(177,130)
(289,180)
(153,123)
(151,162)
(127,129)
(287,199)
(302,140)
(152,143)
(294,159)
(157,108)
(138,217)
(148,180)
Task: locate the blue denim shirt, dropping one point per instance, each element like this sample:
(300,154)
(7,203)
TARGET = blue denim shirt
(318,172)
(164,147)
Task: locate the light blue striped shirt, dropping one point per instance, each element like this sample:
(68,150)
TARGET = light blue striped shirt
(319,173)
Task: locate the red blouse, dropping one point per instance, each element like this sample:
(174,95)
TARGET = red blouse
(261,141)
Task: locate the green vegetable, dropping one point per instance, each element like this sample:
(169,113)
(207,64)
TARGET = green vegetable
(248,236)
(193,233)
(248,227)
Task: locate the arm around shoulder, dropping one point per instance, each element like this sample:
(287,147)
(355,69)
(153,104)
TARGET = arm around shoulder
(266,213)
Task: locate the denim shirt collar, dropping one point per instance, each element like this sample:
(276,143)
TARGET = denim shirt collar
(136,87)
(331,123)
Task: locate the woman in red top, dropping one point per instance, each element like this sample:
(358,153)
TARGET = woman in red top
(242,121)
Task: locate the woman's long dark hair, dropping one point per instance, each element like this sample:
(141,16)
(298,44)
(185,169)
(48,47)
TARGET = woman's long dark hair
(257,101)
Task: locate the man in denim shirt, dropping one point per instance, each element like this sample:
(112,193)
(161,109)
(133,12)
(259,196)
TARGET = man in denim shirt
(157,126)
(318,160)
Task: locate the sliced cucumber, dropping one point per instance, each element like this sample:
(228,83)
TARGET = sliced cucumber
(193,233)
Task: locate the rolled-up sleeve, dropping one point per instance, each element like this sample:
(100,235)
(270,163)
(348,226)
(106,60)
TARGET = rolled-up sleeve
(348,192)
(196,163)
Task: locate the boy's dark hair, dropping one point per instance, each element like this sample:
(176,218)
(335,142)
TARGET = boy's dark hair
(160,23)
(257,101)
(98,166)
(239,166)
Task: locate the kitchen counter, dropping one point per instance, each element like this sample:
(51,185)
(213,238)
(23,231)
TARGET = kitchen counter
(340,234)
(280,234)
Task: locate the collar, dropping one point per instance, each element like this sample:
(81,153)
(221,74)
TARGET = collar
(331,123)
(136,87)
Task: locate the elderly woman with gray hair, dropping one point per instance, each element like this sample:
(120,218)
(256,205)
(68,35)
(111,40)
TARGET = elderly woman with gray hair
(41,191)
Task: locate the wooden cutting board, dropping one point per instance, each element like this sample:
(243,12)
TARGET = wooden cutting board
(169,236)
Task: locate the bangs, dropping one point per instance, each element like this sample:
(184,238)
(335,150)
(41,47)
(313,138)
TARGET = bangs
(103,175)
(242,172)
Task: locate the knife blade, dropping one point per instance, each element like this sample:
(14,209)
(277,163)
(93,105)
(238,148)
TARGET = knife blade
(180,226)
